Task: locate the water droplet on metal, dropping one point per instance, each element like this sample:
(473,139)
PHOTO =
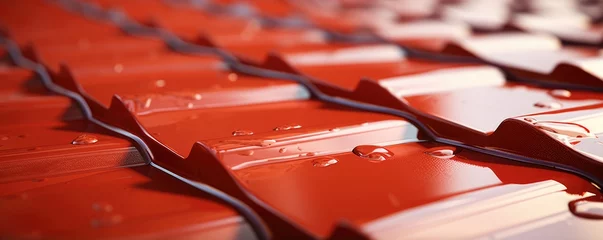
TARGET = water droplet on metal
(282,150)
(84,139)
(118,68)
(324,162)
(443,153)
(268,142)
(372,153)
(562,138)
(115,219)
(530,120)
(560,93)
(549,105)
(233,77)
(96,207)
(147,103)
(197,96)
(108,208)
(286,127)
(102,207)
(308,154)
(567,129)
(160,83)
(190,105)
(242,133)
(247,153)
(590,207)
(364,124)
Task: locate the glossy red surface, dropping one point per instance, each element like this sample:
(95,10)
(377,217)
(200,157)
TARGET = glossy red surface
(317,196)
(40,133)
(325,120)
(120,203)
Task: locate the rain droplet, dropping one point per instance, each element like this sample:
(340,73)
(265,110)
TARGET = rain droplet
(562,138)
(567,129)
(233,77)
(561,93)
(84,139)
(268,142)
(102,207)
(147,103)
(282,150)
(365,124)
(190,105)
(530,120)
(590,207)
(286,127)
(242,133)
(118,68)
(197,96)
(247,153)
(324,162)
(308,154)
(108,208)
(443,153)
(549,105)
(372,153)
(96,207)
(160,83)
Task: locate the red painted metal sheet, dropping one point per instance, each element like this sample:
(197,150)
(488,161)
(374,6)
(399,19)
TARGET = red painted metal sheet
(300,120)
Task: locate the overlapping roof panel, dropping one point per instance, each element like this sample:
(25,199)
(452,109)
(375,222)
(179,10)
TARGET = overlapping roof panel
(300,120)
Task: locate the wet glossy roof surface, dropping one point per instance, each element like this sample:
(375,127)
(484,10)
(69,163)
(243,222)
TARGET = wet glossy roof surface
(301,119)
